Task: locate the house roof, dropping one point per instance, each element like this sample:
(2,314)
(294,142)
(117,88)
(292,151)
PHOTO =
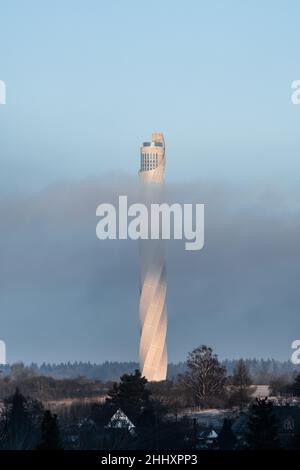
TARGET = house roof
(120,420)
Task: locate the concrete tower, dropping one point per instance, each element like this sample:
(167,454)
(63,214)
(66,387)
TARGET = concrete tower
(153,313)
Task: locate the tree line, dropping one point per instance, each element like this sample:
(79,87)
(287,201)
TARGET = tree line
(25,423)
(263,371)
(157,410)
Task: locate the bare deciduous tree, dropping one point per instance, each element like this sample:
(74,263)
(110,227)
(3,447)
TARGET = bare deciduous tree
(205,377)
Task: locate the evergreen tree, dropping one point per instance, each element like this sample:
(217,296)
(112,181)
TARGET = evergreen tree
(133,396)
(295,443)
(50,435)
(263,429)
(296,386)
(280,385)
(226,438)
(241,384)
(241,377)
(21,418)
(131,391)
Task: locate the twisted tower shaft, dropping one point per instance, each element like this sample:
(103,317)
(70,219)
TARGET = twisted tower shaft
(153,312)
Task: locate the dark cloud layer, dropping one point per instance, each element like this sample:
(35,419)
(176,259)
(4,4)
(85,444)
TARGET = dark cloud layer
(66,295)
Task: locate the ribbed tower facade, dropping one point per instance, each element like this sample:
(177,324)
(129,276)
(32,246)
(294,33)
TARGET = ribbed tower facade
(153,312)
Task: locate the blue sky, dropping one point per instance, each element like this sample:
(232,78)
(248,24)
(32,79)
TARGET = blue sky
(87,82)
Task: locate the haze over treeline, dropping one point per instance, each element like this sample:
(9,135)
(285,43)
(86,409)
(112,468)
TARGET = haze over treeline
(262,370)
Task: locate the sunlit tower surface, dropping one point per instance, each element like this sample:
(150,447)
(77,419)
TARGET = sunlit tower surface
(153,312)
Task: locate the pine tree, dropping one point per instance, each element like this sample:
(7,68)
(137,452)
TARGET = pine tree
(226,439)
(131,391)
(241,384)
(241,377)
(50,439)
(263,430)
(20,420)
(296,386)
(295,444)
(132,396)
